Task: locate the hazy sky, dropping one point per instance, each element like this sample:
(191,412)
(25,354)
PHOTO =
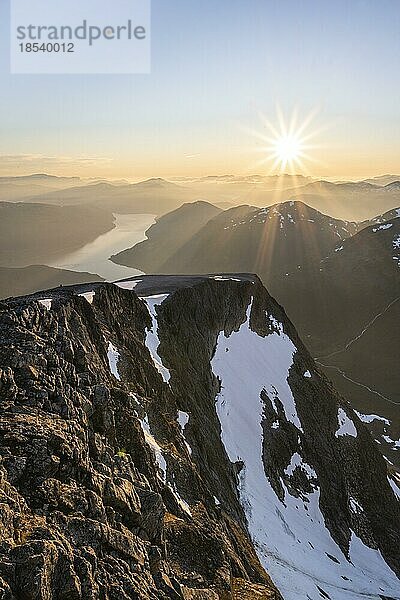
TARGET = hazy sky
(217,64)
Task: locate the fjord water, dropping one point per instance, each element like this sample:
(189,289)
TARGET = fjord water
(94,257)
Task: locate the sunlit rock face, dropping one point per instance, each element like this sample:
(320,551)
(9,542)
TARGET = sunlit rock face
(171,437)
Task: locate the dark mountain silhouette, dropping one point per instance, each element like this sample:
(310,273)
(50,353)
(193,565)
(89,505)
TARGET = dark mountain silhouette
(38,233)
(271,242)
(347,310)
(167,236)
(26,280)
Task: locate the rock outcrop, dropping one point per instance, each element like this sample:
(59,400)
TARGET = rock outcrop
(119,476)
(85,509)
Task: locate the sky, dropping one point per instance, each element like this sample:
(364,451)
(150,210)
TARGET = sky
(220,68)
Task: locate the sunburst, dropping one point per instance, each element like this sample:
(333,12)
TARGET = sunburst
(286,146)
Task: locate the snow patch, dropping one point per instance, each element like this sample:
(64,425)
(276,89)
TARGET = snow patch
(264,363)
(395,443)
(128,285)
(161,462)
(277,324)
(346,425)
(183,419)
(396,246)
(371,418)
(46,302)
(355,506)
(152,340)
(182,503)
(134,398)
(113,358)
(395,487)
(88,296)
(297,461)
(220,278)
(382,227)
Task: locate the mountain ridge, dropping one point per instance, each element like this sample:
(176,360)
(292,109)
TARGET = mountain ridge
(21,281)
(270,241)
(129,390)
(368,197)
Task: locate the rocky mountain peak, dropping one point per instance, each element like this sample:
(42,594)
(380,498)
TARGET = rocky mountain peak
(171,437)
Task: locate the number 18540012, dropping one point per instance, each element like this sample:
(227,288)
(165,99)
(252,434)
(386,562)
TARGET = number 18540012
(47,47)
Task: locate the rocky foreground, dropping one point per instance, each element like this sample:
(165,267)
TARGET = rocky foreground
(130,433)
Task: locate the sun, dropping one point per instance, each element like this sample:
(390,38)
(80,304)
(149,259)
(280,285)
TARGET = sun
(288,149)
(286,144)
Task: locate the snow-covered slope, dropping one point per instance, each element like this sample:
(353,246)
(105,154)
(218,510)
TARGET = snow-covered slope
(307,512)
(291,214)
(152,341)
(289,534)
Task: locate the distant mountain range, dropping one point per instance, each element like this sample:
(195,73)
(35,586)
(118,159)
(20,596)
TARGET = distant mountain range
(343,200)
(16,188)
(352,200)
(154,196)
(383,179)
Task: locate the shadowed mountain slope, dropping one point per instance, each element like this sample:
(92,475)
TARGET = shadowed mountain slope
(182,444)
(38,233)
(167,236)
(26,280)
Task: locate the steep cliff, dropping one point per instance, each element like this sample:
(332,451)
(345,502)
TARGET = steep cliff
(182,445)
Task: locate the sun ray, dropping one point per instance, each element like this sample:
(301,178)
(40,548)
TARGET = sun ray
(286,143)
